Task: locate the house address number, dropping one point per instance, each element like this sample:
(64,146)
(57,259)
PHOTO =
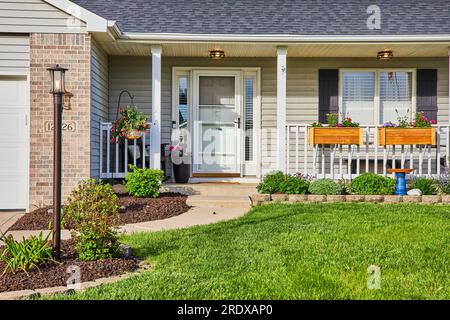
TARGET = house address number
(69,126)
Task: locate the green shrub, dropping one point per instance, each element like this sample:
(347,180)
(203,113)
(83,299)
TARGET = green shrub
(325,187)
(91,198)
(427,186)
(345,185)
(26,254)
(444,184)
(372,184)
(294,185)
(271,183)
(143,182)
(93,209)
(96,242)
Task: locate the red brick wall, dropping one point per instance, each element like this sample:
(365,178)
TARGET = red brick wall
(73,52)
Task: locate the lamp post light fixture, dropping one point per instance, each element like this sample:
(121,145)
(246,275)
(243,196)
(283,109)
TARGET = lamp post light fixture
(57,75)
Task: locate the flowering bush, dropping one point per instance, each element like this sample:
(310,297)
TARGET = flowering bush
(348,123)
(420,121)
(389,124)
(178,154)
(333,122)
(178,149)
(443,181)
(130,119)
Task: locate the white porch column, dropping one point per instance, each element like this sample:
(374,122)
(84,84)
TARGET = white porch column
(448,85)
(281,108)
(155,130)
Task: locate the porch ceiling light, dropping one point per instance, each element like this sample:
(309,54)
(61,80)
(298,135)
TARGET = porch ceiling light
(57,75)
(385,55)
(217,54)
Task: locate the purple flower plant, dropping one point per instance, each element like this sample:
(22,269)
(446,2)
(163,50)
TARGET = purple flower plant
(389,124)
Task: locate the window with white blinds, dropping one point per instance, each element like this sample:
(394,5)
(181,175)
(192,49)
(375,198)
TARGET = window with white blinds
(359,90)
(395,94)
(358,96)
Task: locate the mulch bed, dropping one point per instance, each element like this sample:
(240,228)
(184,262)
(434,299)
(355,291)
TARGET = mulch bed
(136,210)
(55,275)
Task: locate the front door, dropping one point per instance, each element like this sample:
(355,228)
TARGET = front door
(217,127)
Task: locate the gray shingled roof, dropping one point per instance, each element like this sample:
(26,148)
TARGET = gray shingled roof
(299,17)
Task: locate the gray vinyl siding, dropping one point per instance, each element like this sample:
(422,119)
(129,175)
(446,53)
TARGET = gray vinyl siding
(25,16)
(99,102)
(14,53)
(134,74)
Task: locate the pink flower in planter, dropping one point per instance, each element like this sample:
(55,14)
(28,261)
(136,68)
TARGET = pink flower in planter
(433,122)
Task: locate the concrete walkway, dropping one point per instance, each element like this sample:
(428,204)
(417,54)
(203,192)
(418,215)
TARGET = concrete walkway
(8,218)
(195,216)
(210,203)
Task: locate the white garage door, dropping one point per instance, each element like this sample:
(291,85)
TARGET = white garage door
(13,142)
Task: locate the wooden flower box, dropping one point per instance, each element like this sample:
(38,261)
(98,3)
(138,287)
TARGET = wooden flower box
(405,136)
(335,136)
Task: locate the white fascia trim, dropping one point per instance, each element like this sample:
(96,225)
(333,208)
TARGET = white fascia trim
(283,38)
(94,22)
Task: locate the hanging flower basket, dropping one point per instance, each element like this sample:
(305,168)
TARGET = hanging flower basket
(134,134)
(406,136)
(338,135)
(130,125)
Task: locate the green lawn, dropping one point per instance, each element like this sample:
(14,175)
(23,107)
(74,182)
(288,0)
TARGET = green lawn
(314,251)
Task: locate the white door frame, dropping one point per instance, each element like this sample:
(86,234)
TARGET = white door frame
(26,74)
(255,72)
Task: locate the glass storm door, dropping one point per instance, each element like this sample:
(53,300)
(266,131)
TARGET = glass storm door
(217,105)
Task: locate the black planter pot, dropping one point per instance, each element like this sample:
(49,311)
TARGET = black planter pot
(182,172)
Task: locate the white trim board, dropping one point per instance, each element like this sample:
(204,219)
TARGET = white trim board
(94,22)
(285,38)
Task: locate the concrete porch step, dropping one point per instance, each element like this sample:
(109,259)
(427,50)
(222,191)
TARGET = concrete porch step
(216,201)
(212,189)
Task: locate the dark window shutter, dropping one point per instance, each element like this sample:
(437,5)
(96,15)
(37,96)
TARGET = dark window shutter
(427,93)
(328,93)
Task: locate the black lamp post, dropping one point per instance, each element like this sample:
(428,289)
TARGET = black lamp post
(58,88)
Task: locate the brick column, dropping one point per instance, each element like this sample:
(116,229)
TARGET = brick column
(72,51)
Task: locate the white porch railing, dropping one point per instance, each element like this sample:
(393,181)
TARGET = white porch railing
(115,158)
(349,161)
